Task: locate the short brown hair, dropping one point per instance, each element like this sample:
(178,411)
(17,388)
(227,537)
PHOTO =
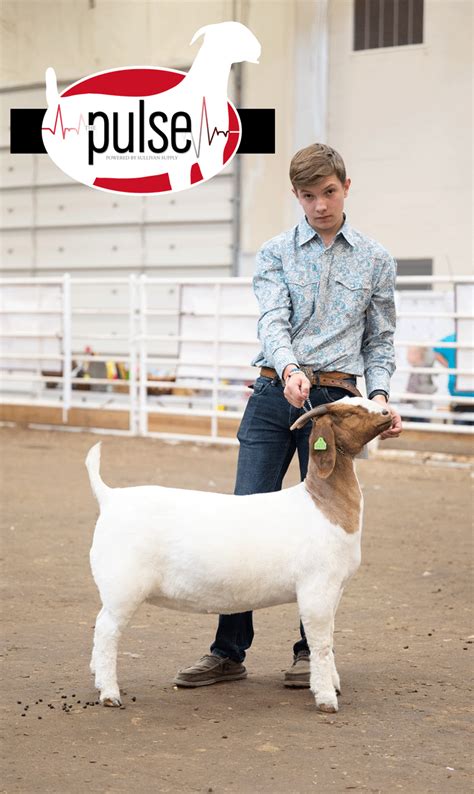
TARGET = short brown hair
(315,162)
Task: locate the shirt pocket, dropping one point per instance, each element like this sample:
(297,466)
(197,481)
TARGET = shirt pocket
(303,291)
(352,292)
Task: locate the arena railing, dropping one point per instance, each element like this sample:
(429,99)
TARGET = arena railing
(205,392)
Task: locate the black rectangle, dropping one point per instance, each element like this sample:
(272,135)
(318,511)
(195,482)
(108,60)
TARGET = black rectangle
(258,131)
(25,131)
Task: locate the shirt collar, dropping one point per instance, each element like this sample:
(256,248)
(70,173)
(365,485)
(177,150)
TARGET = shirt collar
(306,231)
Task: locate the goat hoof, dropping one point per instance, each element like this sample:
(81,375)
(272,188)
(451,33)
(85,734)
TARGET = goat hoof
(338,691)
(111,702)
(327,702)
(327,708)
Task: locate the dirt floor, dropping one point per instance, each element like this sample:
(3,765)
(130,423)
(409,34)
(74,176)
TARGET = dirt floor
(403,642)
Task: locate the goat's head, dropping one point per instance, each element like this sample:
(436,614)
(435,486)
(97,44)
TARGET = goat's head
(344,426)
(231,40)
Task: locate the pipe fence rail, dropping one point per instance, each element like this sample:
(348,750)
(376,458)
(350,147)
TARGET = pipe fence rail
(181,349)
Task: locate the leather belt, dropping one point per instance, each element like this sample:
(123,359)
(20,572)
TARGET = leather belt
(340,380)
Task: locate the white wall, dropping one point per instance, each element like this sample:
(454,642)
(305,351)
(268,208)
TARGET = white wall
(78,39)
(401,117)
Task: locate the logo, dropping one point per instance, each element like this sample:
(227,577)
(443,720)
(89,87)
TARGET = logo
(148,130)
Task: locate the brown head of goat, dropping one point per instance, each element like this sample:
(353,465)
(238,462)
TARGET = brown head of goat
(340,430)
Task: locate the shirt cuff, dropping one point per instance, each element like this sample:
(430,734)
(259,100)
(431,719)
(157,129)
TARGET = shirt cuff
(378,391)
(282,357)
(377,378)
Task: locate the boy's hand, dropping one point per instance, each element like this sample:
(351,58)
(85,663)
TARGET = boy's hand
(296,387)
(396,427)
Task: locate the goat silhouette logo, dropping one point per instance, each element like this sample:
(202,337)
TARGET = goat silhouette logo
(145,130)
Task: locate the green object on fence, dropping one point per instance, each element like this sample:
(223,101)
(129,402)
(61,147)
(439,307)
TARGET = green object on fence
(320,443)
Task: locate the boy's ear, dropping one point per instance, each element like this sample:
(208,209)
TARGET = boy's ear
(324,447)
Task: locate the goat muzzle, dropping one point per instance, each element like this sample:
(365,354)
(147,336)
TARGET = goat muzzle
(320,410)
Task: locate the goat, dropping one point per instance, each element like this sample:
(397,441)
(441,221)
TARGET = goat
(200,552)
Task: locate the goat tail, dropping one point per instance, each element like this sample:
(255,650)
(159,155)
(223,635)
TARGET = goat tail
(98,486)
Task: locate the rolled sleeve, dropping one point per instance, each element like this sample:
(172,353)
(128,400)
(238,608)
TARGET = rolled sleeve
(271,290)
(377,345)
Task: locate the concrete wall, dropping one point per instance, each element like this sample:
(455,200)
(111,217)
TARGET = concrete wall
(401,117)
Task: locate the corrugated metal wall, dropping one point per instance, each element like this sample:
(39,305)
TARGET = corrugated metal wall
(51,225)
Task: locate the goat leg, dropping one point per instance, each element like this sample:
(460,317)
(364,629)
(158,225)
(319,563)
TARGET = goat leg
(318,621)
(108,629)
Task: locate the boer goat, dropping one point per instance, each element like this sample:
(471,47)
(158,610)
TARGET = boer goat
(200,552)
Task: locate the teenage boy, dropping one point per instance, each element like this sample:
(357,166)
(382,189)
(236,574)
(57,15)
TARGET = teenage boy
(327,316)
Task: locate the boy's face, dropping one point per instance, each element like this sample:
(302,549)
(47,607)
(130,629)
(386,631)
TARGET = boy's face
(323,203)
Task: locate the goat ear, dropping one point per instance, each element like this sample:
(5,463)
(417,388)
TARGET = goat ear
(325,459)
(198,33)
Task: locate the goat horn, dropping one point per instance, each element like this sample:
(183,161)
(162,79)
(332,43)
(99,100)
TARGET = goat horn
(318,411)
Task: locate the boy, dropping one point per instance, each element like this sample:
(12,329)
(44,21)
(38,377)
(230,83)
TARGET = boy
(327,316)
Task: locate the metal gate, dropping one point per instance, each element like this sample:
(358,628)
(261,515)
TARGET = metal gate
(183,348)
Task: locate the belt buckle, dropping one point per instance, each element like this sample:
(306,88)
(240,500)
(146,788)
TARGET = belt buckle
(317,379)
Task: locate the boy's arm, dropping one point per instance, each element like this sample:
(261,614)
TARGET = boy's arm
(274,329)
(271,291)
(377,345)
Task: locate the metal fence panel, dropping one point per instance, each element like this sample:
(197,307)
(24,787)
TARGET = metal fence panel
(185,347)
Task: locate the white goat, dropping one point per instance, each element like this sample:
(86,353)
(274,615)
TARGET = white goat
(210,552)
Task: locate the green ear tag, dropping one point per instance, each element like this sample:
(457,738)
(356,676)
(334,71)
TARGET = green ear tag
(320,443)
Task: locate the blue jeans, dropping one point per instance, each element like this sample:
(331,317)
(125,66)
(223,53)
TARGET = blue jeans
(267,447)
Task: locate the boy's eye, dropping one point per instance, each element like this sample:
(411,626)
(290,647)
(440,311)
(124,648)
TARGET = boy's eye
(329,192)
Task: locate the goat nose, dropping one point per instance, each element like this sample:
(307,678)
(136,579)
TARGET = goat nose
(385,412)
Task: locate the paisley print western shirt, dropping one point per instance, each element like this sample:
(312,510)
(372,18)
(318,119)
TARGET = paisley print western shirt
(330,308)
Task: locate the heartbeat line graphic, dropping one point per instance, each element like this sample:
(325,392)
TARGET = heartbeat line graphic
(210,137)
(197,149)
(64,130)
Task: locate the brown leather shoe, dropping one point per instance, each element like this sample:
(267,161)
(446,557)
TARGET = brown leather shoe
(298,674)
(210,669)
